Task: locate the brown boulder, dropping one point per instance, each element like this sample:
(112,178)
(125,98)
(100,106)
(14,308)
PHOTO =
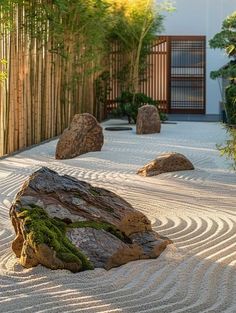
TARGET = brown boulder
(83,135)
(148,120)
(168,162)
(63,223)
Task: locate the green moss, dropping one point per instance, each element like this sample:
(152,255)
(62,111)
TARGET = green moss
(99,225)
(40,228)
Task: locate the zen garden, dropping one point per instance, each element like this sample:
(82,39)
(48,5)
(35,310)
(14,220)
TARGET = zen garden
(118,156)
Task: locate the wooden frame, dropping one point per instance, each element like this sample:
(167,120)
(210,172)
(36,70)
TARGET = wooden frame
(201,78)
(159,77)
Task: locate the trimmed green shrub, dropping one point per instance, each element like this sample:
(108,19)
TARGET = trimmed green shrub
(230,95)
(128,105)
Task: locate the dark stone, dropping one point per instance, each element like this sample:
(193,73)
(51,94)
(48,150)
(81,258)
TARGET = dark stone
(118,128)
(61,222)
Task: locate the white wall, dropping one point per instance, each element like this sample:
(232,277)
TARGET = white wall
(202,17)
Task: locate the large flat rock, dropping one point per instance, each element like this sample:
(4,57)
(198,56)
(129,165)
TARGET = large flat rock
(61,222)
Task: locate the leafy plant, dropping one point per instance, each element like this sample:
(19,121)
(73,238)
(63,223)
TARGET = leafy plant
(226,39)
(136,24)
(128,107)
(230,94)
(229,149)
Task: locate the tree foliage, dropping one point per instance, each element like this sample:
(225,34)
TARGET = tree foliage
(136,24)
(82,31)
(226,40)
(229,148)
(230,95)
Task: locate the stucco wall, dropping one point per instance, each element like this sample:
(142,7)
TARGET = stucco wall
(202,17)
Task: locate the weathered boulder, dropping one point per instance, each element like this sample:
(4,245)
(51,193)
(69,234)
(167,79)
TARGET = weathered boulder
(83,135)
(168,162)
(148,120)
(63,223)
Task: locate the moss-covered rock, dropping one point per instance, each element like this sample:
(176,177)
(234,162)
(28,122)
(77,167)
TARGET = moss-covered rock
(63,223)
(41,229)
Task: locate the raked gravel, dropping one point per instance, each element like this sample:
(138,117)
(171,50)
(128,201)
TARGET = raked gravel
(196,209)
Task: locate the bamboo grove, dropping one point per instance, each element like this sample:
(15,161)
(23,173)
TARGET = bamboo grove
(55,61)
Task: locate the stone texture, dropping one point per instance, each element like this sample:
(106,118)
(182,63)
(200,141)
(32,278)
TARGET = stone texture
(168,162)
(148,120)
(83,135)
(97,224)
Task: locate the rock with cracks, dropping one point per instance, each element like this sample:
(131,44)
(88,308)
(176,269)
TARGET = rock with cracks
(168,162)
(83,135)
(148,120)
(64,223)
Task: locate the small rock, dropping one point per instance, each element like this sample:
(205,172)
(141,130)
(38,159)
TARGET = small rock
(148,120)
(168,162)
(82,136)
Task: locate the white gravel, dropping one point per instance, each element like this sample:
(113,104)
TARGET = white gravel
(196,209)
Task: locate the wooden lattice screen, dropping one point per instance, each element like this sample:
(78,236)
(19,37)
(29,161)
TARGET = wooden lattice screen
(153,82)
(187,75)
(175,75)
